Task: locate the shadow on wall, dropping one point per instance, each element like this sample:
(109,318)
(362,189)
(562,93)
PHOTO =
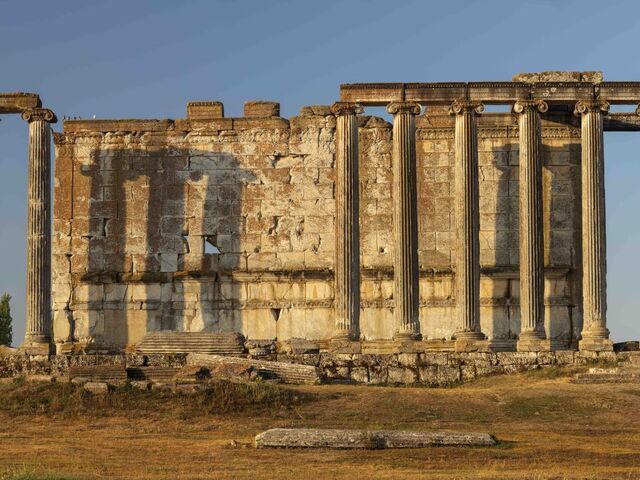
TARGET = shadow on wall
(162,241)
(499,241)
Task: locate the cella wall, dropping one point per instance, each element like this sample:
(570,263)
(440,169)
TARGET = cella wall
(227,224)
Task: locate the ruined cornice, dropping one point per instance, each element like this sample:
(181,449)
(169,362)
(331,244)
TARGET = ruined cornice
(17,102)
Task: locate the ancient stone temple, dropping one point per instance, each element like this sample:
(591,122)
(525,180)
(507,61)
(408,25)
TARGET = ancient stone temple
(442,226)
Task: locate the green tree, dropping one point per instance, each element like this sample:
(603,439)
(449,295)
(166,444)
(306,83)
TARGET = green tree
(6,332)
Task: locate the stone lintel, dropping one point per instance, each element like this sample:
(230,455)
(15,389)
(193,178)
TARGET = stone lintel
(440,93)
(170,126)
(16,102)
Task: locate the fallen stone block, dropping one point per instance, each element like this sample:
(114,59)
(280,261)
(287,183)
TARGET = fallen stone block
(97,388)
(367,439)
(285,372)
(631,346)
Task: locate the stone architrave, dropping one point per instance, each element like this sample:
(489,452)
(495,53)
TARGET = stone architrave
(347,252)
(38,332)
(405,220)
(595,334)
(468,332)
(532,335)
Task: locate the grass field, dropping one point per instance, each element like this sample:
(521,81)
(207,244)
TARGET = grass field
(549,429)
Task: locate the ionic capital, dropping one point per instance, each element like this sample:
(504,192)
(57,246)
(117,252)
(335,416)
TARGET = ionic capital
(586,106)
(404,107)
(31,114)
(522,106)
(463,106)
(346,108)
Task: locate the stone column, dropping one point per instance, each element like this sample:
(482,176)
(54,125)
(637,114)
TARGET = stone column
(467,205)
(405,220)
(532,334)
(595,335)
(347,253)
(38,334)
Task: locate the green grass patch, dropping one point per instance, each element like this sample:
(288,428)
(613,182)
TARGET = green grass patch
(547,407)
(631,391)
(554,371)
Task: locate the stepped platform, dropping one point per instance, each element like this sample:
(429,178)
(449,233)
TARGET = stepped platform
(626,371)
(285,372)
(98,373)
(152,374)
(191,342)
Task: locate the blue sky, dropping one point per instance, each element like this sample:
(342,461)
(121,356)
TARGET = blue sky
(136,59)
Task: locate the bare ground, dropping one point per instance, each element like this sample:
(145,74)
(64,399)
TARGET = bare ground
(549,429)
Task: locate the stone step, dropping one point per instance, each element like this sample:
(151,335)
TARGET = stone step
(98,373)
(153,374)
(191,342)
(607,376)
(366,439)
(285,372)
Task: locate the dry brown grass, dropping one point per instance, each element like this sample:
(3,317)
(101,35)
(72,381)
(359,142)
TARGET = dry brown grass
(550,428)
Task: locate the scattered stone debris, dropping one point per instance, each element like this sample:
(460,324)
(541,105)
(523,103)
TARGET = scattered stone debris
(285,372)
(260,348)
(300,346)
(367,439)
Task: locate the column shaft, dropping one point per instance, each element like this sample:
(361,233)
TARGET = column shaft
(531,228)
(38,295)
(405,220)
(467,222)
(347,253)
(595,335)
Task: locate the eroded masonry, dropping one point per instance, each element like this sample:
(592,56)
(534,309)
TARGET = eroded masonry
(442,227)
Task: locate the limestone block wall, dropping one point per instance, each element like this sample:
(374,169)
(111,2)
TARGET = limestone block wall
(227,224)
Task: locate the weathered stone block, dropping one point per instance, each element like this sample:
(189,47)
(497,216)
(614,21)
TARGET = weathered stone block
(261,109)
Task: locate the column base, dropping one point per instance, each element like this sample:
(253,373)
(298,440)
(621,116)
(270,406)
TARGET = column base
(470,342)
(591,344)
(501,345)
(36,348)
(596,339)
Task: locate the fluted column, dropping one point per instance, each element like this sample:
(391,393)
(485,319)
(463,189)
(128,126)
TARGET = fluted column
(347,252)
(531,234)
(467,204)
(405,220)
(595,335)
(38,332)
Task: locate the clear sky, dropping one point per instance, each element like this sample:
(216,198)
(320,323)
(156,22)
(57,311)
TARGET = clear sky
(136,59)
